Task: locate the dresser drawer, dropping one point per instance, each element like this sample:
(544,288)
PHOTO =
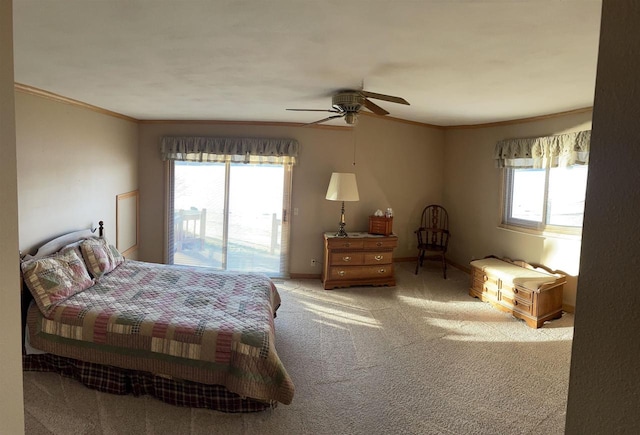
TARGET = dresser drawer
(358,259)
(385,257)
(487,286)
(490,289)
(342,243)
(347,258)
(381,243)
(519,293)
(479,275)
(359,272)
(509,300)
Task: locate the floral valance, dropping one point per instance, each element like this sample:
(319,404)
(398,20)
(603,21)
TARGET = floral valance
(232,149)
(541,152)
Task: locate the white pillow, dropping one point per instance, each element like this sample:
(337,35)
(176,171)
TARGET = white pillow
(60,242)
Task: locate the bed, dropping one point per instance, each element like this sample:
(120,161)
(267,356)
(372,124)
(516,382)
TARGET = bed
(188,336)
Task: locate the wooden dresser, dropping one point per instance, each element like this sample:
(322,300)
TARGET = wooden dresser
(359,259)
(533,294)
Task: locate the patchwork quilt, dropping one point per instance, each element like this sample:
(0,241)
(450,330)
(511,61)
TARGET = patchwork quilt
(182,322)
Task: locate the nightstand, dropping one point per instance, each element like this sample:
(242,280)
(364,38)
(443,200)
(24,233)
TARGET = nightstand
(359,259)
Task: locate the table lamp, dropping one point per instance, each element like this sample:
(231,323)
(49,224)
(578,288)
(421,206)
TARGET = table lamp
(342,187)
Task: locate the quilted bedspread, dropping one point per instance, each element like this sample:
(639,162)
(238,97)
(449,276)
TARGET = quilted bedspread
(190,323)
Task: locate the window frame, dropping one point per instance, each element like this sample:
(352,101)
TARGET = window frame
(526,226)
(285,234)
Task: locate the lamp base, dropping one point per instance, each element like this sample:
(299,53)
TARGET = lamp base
(341,232)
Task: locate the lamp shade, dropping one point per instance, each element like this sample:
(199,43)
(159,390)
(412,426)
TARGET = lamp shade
(342,187)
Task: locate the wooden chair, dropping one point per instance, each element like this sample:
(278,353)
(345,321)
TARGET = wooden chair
(433,236)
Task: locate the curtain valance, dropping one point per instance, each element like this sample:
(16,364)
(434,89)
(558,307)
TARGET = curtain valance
(233,149)
(540,152)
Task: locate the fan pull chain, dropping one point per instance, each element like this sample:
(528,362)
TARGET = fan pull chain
(355,141)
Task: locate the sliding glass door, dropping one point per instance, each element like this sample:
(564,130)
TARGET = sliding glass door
(230,216)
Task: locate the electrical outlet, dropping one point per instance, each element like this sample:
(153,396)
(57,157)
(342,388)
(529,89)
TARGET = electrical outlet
(314,261)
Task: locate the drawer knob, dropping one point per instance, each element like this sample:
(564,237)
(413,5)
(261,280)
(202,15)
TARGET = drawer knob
(346,259)
(382,270)
(379,257)
(379,244)
(515,290)
(341,272)
(347,244)
(515,302)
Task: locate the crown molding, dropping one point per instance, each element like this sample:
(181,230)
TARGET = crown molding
(404,121)
(56,97)
(521,120)
(66,100)
(247,123)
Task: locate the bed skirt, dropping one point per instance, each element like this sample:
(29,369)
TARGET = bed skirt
(114,380)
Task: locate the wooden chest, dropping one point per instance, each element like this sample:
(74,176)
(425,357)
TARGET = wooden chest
(380,225)
(360,259)
(532,294)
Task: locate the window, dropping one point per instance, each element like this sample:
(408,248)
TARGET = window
(545,199)
(545,181)
(227,201)
(230,216)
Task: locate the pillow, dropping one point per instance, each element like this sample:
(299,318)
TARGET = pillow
(53,279)
(118,258)
(100,257)
(58,243)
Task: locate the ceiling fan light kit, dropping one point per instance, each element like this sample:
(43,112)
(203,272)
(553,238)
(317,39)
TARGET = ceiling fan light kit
(348,103)
(351,117)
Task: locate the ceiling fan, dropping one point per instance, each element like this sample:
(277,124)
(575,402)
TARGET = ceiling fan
(347,103)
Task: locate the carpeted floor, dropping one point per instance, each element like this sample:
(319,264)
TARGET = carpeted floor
(419,358)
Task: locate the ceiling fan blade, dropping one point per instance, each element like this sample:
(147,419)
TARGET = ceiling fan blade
(315,110)
(323,120)
(384,97)
(374,108)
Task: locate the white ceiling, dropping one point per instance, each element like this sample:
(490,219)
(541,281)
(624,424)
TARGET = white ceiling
(457,62)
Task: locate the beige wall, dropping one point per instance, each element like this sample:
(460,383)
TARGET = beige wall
(472,195)
(604,381)
(604,374)
(72,162)
(398,165)
(11,407)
